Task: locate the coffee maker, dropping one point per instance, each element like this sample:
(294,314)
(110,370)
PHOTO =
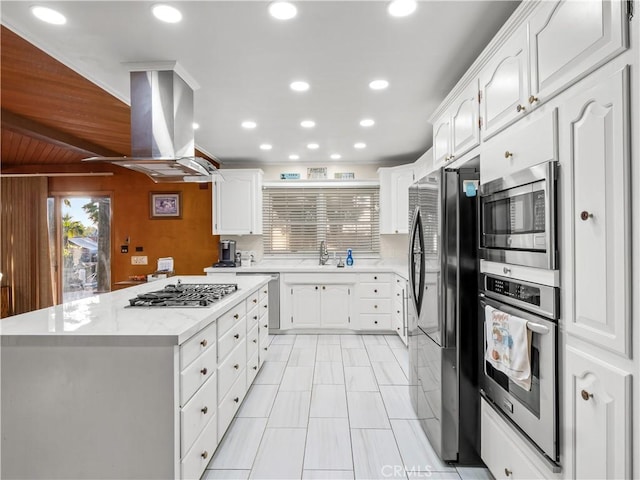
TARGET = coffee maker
(226,254)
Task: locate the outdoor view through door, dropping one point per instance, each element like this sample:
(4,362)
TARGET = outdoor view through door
(79,236)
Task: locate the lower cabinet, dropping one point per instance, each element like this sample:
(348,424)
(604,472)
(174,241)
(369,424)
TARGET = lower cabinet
(327,306)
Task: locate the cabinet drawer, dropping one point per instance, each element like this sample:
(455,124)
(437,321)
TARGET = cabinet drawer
(228,319)
(231,368)
(230,403)
(375,322)
(197,413)
(374,290)
(253,300)
(375,305)
(231,339)
(196,374)
(253,316)
(264,292)
(530,142)
(253,365)
(198,344)
(264,306)
(196,460)
(253,342)
(499,448)
(375,277)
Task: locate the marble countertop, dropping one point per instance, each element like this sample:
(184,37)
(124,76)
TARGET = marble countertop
(103,318)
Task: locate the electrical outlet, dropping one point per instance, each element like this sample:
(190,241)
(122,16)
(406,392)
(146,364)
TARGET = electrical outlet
(139,260)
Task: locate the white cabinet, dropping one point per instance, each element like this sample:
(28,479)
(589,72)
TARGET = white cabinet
(374,301)
(599,410)
(504,85)
(305,305)
(237,202)
(457,130)
(394,198)
(598,205)
(570,39)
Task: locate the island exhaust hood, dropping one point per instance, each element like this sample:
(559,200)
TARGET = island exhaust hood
(162,139)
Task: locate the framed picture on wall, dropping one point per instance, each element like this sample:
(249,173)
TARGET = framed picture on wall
(165,205)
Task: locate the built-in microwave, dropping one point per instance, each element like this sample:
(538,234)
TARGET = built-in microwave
(518,218)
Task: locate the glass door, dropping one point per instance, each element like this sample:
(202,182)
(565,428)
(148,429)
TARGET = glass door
(80,236)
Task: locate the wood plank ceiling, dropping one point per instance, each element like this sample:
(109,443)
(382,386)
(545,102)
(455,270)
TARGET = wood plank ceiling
(51,115)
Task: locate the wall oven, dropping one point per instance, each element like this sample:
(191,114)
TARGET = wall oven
(518,219)
(533,411)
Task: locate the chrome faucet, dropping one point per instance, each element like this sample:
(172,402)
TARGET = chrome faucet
(324,254)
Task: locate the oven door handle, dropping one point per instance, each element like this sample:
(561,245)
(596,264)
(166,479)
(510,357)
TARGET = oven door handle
(537,328)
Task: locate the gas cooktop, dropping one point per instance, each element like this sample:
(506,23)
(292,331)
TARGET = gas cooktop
(184,295)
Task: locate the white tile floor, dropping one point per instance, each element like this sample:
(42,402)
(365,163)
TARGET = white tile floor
(331,407)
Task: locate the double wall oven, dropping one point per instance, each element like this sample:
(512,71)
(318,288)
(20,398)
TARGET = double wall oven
(519,277)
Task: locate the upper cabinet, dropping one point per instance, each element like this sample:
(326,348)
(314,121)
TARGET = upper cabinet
(237,202)
(504,85)
(394,198)
(570,39)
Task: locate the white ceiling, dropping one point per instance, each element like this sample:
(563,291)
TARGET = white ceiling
(244,60)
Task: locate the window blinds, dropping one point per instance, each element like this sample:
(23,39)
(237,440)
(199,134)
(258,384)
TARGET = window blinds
(296,220)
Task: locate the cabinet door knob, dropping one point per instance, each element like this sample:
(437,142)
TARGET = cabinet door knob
(507,472)
(375,306)
(375,291)
(324,288)
(255,340)
(266,306)
(533,99)
(236,316)
(236,366)
(584,215)
(204,342)
(204,371)
(255,367)
(266,326)
(586,395)
(508,154)
(236,336)
(265,348)
(375,278)
(375,321)
(237,399)
(204,410)
(316,288)
(264,291)
(255,300)
(204,454)
(520,108)
(255,317)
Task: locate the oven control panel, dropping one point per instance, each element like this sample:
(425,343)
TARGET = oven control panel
(516,290)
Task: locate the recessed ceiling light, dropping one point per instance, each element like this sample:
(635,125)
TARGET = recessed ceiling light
(336,156)
(195,125)
(166,13)
(48,15)
(299,86)
(402,8)
(378,85)
(313,146)
(266,146)
(249,124)
(293,156)
(367,122)
(283,10)
(359,145)
(307,123)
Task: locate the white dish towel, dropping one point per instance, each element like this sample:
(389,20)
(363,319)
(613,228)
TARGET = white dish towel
(508,345)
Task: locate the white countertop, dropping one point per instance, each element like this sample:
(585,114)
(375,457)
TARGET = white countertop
(311,265)
(105,317)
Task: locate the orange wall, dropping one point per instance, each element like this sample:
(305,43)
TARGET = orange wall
(188,240)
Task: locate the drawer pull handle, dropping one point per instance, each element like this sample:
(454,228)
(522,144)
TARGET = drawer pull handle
(255,340)
(266,306)
(520,108)
(255,317)
(204,342)
(397,311)
(584,215)
(237,399)
(255,367)
(508,154)
(236,316)
(324,288)
(397,294)
(375,306)
(375,321)
(204,410)
(236,336)
(375,278)
(204,454)
(586,395)
(264,291)
(236,366)
(204,371)
(375,290)
(265,349)
(533,99)
(255,300)
(316,288)
(507,472)
(265,326)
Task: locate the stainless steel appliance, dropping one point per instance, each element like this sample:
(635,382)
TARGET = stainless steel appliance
(518,219)
(274,298)
(443,328)
(184,295)
(226,254)
(533,412)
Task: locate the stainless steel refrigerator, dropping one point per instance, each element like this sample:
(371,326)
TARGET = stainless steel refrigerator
(444,330)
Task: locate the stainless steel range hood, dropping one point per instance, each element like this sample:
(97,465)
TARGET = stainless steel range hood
(162,140)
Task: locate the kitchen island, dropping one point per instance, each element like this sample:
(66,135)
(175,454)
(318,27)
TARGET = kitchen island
(91,389)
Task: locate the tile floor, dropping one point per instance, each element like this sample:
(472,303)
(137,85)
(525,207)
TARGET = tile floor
(331,407)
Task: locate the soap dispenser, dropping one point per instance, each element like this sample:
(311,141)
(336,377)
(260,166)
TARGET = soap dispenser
(349,258)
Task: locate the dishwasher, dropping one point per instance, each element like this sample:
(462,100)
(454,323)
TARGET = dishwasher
(274,298)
